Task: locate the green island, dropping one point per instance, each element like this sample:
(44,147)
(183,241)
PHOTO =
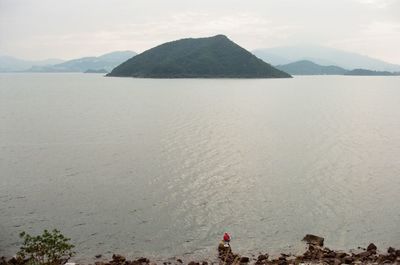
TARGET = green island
(212,57)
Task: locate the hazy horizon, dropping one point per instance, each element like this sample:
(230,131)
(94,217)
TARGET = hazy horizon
(36,30)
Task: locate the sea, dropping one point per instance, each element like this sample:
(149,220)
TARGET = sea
(163,167)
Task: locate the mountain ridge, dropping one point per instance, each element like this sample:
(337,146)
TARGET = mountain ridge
(323,56)
(305,67)
(14,64)
(103,62)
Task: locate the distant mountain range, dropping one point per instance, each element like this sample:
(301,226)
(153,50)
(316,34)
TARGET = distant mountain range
(215,56)
(104,62)
(305,67)
(12,64)
(295,60)
(323,56)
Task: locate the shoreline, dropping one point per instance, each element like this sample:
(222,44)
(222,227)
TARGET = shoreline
(316,253)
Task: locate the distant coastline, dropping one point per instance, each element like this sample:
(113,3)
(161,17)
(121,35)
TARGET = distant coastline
(307,67)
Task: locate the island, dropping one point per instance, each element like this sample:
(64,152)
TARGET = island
(306,67)
(96,71)
(211,57)
(366,72)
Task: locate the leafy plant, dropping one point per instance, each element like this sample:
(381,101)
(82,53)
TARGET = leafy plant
(49,248)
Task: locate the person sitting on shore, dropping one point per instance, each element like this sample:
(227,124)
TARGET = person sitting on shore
(227,240)
(224,245)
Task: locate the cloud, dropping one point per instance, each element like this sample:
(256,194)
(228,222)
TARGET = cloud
(247,29)
(377,39)
(71,29)
(377,3)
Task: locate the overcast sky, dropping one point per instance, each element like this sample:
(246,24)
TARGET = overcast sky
(39,29)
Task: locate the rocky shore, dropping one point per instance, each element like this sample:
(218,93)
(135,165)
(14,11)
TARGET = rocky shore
(316,253)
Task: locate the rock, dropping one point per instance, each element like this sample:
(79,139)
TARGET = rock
(13,261)
(204,263)
(337,261)
(244,259)
(371,247)
(179,260)
(118,258)
(311,248)
(381,258)
(364,254)
(3,260)
(348,260)
(262,257)
(143,260)
(391,257)
(98,256)
(398,253)
(329,255)
(282,262)
(193,263)
(340,255)
(313,239)
(391,250)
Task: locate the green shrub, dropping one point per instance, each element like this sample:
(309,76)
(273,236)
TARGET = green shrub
(50,248)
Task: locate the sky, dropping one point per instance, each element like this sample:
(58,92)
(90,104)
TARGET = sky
(67,29)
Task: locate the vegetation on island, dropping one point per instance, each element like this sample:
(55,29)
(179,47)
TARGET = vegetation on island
(202,57)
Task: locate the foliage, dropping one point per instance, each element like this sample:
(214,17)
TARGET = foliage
(50,248)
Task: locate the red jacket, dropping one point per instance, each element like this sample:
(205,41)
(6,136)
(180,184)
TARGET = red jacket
(227,238)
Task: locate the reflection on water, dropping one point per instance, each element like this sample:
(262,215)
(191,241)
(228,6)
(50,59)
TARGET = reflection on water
(164,167)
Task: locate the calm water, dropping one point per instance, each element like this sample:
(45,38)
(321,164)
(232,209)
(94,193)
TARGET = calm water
(164,167)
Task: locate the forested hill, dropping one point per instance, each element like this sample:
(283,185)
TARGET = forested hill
(202,57)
